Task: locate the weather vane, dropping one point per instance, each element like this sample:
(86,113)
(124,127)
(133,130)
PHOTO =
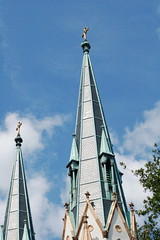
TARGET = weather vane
(18,128)
(84,34)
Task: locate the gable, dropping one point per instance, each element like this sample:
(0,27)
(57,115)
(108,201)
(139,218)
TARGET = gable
(68,231)
(93,223)
(118,228)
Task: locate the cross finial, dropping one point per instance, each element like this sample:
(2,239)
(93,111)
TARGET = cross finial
(18,128)
(84,34)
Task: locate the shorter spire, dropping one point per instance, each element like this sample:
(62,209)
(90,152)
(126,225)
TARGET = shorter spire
(18,207)
(25,232)
(104,143)
(74,151)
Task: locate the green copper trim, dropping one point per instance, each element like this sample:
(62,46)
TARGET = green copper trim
(104,147)
(121,193)
(74,151)
(72,172)
(85,46)
(25,232)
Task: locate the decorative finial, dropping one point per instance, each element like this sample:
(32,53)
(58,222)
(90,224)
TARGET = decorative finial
(85,45)
(66,205)
(84,34)
(114,195)
(85,218)
(18,139)
(131,206)
(18,128)
(87,195)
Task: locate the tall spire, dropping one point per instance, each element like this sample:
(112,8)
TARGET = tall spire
(18,208)
(95,147)
(96,171)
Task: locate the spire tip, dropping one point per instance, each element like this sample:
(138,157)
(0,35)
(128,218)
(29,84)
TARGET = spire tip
(18,139)
(84,34)
(85,45)
(18,128)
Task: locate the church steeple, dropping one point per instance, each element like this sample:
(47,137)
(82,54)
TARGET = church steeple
(18,214)
(95,147)
(97,171)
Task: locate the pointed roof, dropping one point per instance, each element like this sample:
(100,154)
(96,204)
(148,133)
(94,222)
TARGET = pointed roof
(104,146)
(68,227)
(89,104)
(97,169)
(74,151)
(18,207)
(116,216)
(25,232)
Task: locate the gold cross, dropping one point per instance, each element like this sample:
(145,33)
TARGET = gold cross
(84,34)
(18,128)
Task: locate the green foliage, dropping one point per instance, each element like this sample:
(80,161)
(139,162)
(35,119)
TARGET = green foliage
(149,177)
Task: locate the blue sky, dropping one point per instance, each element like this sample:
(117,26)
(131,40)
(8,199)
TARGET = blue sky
(40,68)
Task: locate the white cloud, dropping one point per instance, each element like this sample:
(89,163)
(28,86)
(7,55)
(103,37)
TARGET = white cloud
(144,134)
(132,188)
(64,192)
(32,130)
(47,216)
(135,150)
(114,137)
